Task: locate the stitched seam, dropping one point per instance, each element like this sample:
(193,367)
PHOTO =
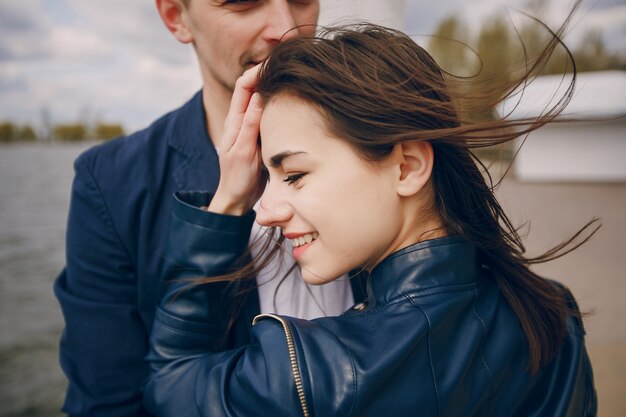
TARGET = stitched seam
(182,332)
(435,290)
(355,385)
(178,173)
(482,352)
(204,227)
(431,245)
(413,295)
(430,357)
(198,400)
(107,218)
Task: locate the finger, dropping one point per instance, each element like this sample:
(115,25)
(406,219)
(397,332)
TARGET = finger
(244,88)
(248,134)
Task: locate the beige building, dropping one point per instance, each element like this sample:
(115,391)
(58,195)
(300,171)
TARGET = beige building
(565,174)
(387,13)
(593,151)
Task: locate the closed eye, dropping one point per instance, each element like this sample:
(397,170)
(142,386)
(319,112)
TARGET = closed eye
(293,178)
(240,5)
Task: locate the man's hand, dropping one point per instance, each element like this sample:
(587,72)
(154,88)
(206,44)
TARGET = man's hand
(241,180)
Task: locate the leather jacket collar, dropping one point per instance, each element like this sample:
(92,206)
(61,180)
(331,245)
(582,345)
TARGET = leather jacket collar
(423,266)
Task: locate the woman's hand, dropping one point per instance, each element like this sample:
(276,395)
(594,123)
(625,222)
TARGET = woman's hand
(241,179)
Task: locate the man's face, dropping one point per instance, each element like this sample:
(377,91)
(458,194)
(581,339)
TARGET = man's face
(232,36)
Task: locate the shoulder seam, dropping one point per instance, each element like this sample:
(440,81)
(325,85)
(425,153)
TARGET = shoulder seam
(430,358)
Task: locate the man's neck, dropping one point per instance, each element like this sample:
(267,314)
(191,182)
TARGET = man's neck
(216,100)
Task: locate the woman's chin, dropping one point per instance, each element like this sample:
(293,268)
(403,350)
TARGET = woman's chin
(312,278)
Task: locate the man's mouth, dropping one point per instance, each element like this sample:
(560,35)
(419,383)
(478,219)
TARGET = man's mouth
(253,59)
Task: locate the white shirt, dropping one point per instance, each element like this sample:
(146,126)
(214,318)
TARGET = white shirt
(294,297)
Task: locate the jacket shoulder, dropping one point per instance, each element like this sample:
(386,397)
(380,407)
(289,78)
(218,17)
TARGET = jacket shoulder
(134,150)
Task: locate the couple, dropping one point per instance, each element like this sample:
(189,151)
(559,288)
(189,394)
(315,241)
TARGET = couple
(369,172)
(364,165)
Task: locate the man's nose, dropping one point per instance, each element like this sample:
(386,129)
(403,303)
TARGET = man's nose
(281,24)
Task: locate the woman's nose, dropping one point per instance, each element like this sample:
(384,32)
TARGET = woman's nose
(273,213)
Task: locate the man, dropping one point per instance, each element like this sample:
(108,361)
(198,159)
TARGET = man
(120,211)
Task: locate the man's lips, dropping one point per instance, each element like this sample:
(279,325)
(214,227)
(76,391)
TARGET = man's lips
(254,61)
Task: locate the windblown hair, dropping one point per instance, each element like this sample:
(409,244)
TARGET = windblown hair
(376,88)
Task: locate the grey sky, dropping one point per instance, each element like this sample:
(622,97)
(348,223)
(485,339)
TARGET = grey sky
(114,61)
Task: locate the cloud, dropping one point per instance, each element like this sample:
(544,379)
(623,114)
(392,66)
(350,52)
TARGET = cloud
(79,45)
(21,25)
(28,34)
(113,60)
(132,95)
(22,16)
(116,61)
(11,80)
(134,26)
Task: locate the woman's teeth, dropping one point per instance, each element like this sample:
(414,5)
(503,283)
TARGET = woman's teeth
(308,238)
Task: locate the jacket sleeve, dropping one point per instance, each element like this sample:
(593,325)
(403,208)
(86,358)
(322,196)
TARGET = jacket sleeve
(189,377)
(104,341)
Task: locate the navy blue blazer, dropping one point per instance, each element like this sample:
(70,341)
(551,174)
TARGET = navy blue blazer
(118,222)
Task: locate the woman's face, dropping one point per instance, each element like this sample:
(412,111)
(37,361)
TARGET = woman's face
(339,211)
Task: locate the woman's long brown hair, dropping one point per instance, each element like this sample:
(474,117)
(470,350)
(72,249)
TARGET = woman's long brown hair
(376,87)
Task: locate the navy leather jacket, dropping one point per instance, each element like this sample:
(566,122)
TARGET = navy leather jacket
(435,338)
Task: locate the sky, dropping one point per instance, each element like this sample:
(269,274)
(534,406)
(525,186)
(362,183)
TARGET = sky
(114,61)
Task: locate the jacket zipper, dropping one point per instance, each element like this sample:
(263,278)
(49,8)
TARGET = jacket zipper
(295,369)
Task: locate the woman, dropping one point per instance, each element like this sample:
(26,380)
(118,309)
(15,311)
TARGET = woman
(369,170)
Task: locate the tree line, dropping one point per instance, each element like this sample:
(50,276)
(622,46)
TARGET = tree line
(492,59)
(62,132)
(502,48)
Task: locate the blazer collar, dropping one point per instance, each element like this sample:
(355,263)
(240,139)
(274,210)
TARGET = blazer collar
(188,136)
(423,266)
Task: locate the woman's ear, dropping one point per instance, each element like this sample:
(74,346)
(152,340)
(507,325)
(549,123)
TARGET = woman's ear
(416,166)
(173,13)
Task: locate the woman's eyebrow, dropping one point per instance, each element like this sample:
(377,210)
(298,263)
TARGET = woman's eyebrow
(277,160)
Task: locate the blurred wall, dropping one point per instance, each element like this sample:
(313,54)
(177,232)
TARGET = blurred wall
(387,13)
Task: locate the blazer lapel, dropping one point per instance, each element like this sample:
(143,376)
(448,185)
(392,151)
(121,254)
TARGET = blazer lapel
(199,169)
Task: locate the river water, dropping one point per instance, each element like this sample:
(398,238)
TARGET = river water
(35,181)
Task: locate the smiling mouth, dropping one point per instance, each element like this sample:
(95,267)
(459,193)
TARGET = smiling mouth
(304,239)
